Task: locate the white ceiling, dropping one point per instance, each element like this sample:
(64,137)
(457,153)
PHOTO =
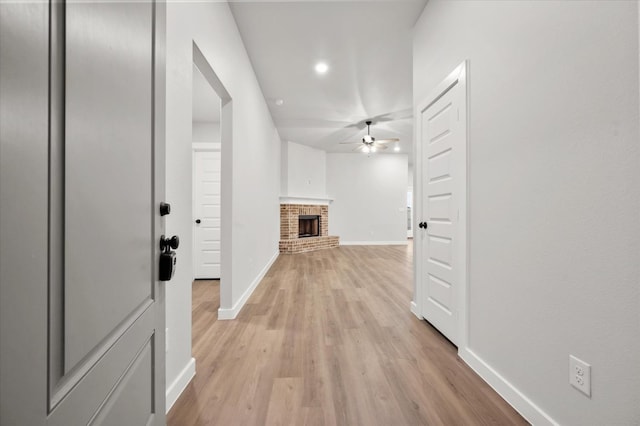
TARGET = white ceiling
(368,47)
(205,101)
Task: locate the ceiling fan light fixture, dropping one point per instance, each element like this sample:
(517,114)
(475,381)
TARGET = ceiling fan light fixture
(396,148)
(366,149)
(373,149)
(321,68)
(367,139)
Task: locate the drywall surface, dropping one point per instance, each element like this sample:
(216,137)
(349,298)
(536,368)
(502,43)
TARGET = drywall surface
(304,171)
(255,164)
(554,201)
(206,132)
(284,172)
(369,197)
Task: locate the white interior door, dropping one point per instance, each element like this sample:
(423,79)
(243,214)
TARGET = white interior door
(443,180)
(82,311)
(207,214)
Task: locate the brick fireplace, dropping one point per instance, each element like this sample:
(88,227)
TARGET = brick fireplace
(292,240)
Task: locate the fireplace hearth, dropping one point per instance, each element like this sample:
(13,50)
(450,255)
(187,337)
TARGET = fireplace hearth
(304,227)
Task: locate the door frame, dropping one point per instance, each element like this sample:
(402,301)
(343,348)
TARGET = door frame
(226,175)
(195,148)
(458,77)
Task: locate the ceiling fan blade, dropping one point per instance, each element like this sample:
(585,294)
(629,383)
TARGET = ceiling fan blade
(379,147)
(375,147)
(345,133)
(348,143)
(396,115)
(387,140)
(359,125)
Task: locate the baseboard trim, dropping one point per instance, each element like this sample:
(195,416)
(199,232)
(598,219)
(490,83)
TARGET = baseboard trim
(232,313)
(374,243)
(180,383)
(523,405)
(414,310)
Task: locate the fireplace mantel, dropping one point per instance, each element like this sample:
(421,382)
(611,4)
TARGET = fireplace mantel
(305,200)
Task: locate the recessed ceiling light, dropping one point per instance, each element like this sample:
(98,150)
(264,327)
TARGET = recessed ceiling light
(321,68)
(279,102)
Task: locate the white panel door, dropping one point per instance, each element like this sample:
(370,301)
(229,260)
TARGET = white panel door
(207,214)
(82,313)
(442,142)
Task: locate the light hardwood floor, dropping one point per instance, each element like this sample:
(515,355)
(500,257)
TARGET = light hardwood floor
(327,338)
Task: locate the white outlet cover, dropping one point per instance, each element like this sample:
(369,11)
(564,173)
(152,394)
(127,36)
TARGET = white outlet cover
(580,375)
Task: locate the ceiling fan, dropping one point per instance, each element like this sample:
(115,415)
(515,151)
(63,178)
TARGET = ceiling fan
(371,144)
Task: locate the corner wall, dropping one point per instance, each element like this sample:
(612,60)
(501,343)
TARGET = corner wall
(554,200)
(304,170)
(369,195)
(255,168)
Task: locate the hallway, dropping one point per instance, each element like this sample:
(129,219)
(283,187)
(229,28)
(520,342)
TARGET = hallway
(328,338)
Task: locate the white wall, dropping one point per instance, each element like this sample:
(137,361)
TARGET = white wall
(206,132)
(284,171)
(369,197)
(255,164)
(304,170)
(554,200)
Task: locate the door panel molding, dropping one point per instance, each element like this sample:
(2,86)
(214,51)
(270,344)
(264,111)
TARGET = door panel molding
(457,78)
(68,381)
(56,259)
(83,403)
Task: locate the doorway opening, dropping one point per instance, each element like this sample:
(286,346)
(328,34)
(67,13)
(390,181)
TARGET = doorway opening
(211,174)
(206,168)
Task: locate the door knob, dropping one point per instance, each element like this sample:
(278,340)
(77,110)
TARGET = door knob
(167,243)
(198,221)
(423,225)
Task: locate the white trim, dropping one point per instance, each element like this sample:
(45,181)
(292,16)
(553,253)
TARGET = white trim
(232,313)
(374,243)
(523,405)
(414,310)
(305,200)
(458,77)
(206,146)
(175,389)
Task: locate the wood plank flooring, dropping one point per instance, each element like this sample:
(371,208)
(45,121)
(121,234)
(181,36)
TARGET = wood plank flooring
(327,338)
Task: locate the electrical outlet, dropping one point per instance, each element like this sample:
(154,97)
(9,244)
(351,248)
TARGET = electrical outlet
(580,375)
